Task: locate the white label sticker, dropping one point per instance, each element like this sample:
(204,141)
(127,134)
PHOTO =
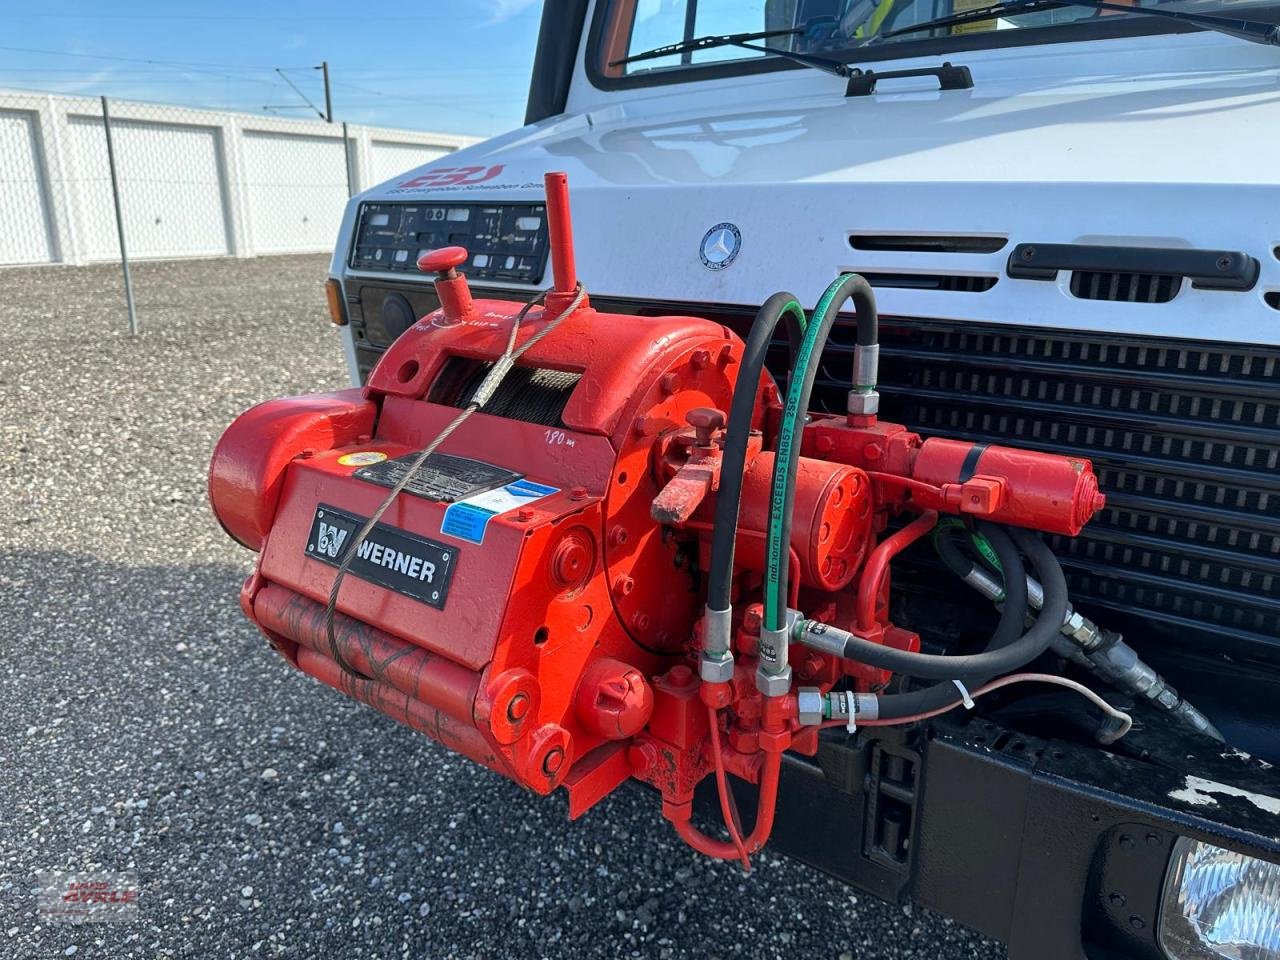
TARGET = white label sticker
(468,519)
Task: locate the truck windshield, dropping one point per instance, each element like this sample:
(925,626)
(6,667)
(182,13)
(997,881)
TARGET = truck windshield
(837,29)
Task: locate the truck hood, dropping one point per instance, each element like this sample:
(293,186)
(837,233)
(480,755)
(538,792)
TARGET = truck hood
(1159,141)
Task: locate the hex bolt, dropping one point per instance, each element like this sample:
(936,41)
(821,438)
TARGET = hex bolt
(578,493)
(640,621)
(669,382)
(1117,899)
(618,535)
(700,359)
(525,514)
(1137,922)
(623,585)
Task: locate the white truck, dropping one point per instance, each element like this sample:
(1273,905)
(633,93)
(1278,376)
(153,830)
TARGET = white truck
(1070,214)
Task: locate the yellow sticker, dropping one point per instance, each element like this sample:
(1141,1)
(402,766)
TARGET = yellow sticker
(362,459)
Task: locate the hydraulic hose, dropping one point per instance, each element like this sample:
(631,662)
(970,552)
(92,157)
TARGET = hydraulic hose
(896,706)
(991,662)
(759,836)
(779,307)
(848,286)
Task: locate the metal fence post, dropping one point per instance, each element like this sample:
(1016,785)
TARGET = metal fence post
(115,196)
(346,156)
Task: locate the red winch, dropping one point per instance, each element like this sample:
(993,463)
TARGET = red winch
(593,535)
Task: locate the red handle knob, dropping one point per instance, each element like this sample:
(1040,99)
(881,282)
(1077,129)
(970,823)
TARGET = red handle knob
(443,261)
(705,421)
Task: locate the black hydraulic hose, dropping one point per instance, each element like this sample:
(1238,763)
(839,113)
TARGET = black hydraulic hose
(989,663)
(1012,618)
(951,555)
(737,433)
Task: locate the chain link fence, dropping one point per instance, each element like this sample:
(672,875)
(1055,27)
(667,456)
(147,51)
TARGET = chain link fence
(88,180)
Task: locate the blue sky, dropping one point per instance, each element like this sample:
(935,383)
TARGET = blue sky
(454,66)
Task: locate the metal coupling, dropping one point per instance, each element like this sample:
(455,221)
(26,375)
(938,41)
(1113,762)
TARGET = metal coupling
(716,663)
(1086,633)
(773,684)
(985,584)
(822,637)
(810,704)
(863,403)
(846,705)
(717,630)
(866,367)
(714,669)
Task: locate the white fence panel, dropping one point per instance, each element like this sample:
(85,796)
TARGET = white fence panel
(24,210)
(170,188)
(192,182)
(296,187)
(388,159)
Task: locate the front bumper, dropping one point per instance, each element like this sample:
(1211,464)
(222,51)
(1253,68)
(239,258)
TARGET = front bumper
(1057,849)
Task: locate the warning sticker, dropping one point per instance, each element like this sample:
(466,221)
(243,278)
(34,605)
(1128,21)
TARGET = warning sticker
(362,459)
(467,519)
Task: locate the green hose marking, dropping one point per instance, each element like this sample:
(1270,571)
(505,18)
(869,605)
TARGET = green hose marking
(988,552)
(776,557)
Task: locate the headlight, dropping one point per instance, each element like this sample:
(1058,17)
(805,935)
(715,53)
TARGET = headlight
(1219,904)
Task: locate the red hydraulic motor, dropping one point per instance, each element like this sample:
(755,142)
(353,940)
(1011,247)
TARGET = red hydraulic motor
(575,546)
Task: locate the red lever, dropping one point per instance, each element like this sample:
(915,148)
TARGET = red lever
(451,286)
(443,261)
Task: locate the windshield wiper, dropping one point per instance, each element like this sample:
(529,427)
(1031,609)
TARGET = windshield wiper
(747,42)
(1255,31)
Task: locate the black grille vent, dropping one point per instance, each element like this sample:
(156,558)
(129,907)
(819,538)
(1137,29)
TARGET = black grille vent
(1124,287)
(952,282)
(1273,299)
(1185,437)
(925,243)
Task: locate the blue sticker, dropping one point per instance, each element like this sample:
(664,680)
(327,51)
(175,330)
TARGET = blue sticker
(468,519)
(466,522)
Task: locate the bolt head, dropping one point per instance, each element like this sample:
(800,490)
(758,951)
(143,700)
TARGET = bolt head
(518,708)
(553,761)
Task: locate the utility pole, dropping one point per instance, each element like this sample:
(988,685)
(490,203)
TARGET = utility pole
(328,101)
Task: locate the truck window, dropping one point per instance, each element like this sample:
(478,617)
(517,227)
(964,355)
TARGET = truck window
(845,30)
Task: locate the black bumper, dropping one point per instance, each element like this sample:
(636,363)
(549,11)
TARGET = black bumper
(1057,849)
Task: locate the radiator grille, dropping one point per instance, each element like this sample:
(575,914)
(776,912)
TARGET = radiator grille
(1185,437)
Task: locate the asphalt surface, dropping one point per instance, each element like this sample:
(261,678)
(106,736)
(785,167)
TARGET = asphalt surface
(146,727)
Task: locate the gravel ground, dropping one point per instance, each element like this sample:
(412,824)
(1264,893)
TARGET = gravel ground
(147,728)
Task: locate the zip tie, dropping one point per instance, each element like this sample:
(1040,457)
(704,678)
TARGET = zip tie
(964,695)
(851,707)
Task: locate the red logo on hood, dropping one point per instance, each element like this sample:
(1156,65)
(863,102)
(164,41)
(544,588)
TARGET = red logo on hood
(454,176)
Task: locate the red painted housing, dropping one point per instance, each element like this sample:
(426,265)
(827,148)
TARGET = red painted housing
(559,650)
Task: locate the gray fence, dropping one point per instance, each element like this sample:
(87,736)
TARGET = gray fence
(84,180)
